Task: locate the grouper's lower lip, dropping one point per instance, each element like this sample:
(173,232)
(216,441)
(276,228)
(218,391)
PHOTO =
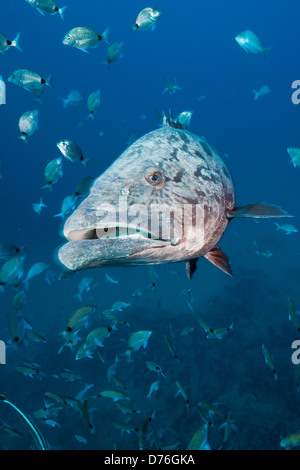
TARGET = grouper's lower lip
(126,250)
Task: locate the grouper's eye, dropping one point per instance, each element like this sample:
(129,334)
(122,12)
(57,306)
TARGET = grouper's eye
(155,178)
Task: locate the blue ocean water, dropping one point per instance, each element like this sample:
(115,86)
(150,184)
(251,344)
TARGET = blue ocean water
(195,44)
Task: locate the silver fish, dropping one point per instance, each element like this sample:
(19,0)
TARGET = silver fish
(171,174)
(147,18)
(73,99)
(154,387)
(19,300)
(251,43)
(12,270)
(137,340)
(53,172)
(84,286)
(7,251)
(18,327)
(264,90)
(199,440)
(28,124)
(47,6)
(184,118)
(171,87)
(83,38)
(114,52)
(30,80)
(93,103)
(294,153)
(120,306)
(67,206)
(38,206)
(72,151)
(84,186)
(35,270)
(6,43)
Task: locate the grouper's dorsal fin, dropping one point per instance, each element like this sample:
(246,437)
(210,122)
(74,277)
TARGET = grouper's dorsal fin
(258,210)
(219,259)
(191,267)
(168,121)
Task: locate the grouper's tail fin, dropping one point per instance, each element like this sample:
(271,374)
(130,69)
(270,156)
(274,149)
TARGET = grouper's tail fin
(257,211)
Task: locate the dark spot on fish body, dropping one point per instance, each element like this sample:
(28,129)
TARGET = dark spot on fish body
(213,178)
(185,148)
(69,329)
(24,133)
(200,194)
(226,172)
(198,171)
(199,155)
(56,8)
(174,154)
(43,81)
(206,148)
(184,137)
(177,178)
(173,138)
(81,158)
(100,37)
(8,42)
(205,177)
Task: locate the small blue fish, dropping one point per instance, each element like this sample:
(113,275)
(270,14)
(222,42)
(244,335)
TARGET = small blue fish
(250,43)
(38,206)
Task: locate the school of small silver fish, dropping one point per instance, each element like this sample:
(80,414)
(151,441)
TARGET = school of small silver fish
(105,364)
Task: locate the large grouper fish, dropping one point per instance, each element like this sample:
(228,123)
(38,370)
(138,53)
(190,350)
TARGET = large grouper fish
(168,198)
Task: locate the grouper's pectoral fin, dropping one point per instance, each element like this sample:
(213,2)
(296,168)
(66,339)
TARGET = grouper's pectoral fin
(258,210)
(219,259)
(191,267)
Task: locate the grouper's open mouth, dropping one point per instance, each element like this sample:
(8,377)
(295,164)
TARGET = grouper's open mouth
(93,247)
